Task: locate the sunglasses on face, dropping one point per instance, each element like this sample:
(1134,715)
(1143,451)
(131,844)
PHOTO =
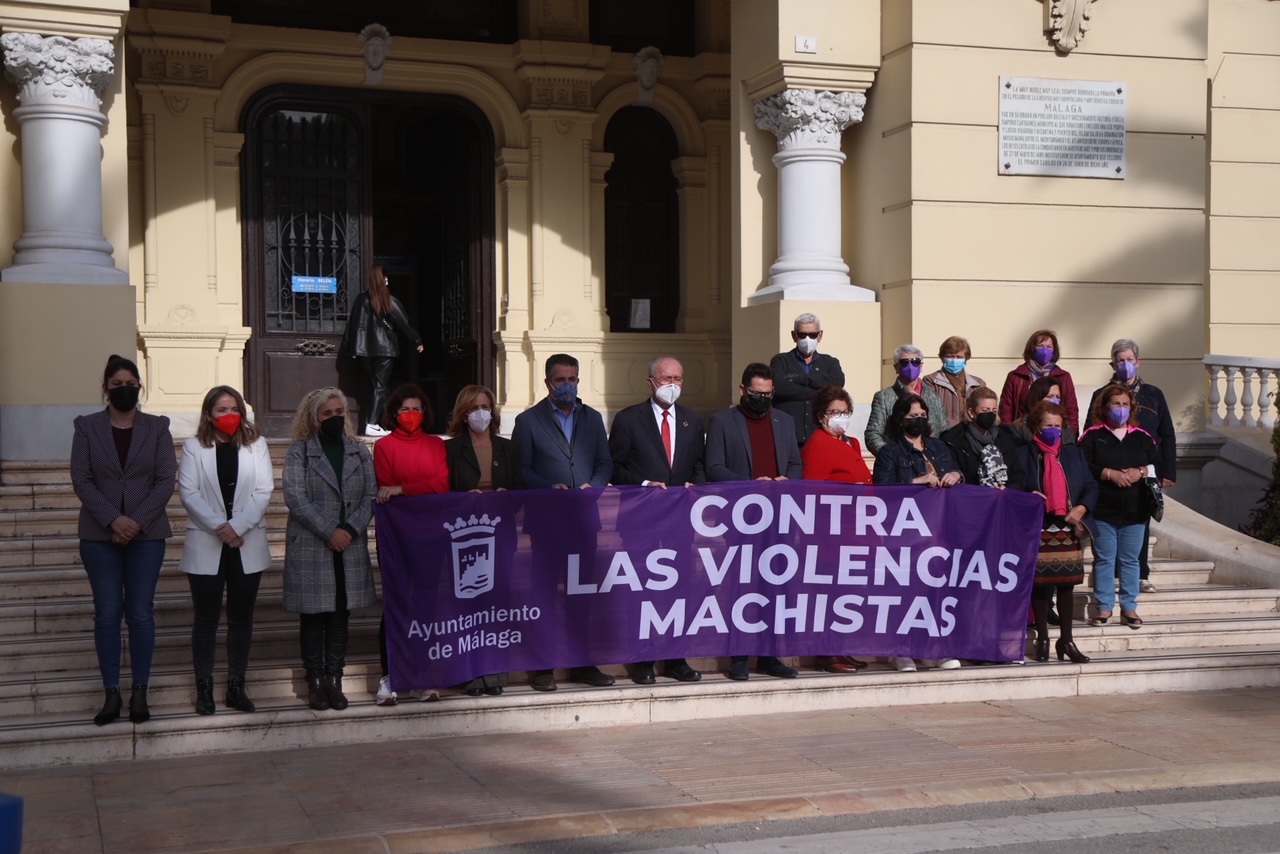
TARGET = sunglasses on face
(813,335)
(916,362)
(760,395)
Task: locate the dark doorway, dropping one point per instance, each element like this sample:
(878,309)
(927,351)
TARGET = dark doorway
(336,181)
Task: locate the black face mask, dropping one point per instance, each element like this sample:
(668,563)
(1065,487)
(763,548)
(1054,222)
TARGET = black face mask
(333,428)
(918,426)
(985,420)
(757,406)
(124,397)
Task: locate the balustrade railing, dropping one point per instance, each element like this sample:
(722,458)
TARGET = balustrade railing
(1242,391)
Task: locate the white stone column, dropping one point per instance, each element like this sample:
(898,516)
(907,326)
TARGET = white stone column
(808,125)
(60,83)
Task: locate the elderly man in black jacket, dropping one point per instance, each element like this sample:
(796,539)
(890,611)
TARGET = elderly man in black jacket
(1153,415)
(800,372)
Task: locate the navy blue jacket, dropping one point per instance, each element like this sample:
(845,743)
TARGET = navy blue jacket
(1082,488)
(547,459)
(899,462)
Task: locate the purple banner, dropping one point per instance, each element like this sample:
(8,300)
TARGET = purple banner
(488,583)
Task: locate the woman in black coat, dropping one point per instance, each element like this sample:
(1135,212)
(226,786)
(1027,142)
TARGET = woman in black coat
(986,452)
(480,461)
(377,329)
(1057,472)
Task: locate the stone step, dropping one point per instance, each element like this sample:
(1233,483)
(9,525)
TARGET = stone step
(37,524)
(56,738)
(53,652)
(172,609)
(1210,599)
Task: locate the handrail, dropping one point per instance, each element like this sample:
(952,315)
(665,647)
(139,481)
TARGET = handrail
(1248,382)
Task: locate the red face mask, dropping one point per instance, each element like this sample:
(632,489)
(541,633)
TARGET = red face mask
(227,424)
(409,421)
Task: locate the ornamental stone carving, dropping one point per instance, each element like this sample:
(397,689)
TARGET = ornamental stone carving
(1068,22)
(58,70)
(375,42)
(648,63)
(805,118)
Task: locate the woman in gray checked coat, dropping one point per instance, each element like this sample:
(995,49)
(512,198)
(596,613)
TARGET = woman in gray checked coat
(329,487)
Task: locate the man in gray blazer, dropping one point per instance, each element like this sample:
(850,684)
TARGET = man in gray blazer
(754,441)
(563,445)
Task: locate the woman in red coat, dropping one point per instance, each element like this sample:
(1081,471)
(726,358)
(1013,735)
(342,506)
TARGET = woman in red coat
(1040,356)
(409,461)
(832,454)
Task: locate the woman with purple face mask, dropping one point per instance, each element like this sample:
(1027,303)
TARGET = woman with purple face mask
(1120,454)
(1040,359)
(1058,473)
(1048,389)
(908,363)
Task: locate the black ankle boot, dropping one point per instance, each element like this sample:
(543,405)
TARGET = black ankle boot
(138,711)
(1067,649)
(236,698)
(333,686)
(1042,648)
(110,708)
(317,696)
(204,697)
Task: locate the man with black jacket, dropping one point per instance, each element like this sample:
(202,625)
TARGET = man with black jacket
(800,372)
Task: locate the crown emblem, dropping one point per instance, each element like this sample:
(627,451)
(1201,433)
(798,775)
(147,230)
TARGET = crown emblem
(473,526)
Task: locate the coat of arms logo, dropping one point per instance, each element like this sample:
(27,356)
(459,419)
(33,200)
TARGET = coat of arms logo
(473,553)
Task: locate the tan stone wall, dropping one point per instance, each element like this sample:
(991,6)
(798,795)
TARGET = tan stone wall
(955,248)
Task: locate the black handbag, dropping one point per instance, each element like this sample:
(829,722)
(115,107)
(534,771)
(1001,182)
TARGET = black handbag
(1153,497)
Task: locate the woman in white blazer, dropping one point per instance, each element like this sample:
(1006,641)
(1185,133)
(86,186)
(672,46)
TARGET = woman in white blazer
(225,465)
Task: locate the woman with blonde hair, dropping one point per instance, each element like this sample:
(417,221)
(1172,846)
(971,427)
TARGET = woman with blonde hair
(377,329)
(480,461)
(225,482)
(329,488)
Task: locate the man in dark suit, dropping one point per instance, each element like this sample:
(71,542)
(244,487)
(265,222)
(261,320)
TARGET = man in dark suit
(754,441)
(800,372)
(658,443)
(563,445)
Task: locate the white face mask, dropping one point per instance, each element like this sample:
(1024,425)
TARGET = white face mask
(667,394)
(839,424)
(479,420)
(807,346)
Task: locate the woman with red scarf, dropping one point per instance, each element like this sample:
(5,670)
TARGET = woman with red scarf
(408,461)
(1059,473)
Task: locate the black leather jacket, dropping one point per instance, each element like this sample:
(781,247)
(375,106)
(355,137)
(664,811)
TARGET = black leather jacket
(370,335)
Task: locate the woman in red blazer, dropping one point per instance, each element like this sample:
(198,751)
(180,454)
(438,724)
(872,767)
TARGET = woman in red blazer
(832,454)
(1040,357)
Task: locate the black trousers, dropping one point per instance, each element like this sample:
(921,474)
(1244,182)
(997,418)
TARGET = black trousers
(324,635)
(379,370)
(206,601)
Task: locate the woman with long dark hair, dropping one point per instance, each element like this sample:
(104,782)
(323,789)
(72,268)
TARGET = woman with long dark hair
(225,482)
(122,470)
(377,329)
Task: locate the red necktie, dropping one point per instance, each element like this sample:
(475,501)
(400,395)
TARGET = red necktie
(666,437)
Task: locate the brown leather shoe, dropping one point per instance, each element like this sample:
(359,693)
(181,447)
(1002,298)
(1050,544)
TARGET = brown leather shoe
(840,664)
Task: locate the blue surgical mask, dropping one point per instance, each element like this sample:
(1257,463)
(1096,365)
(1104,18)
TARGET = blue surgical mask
(953,366)
(565,393)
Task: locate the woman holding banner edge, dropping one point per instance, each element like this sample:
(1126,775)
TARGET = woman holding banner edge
(408,461)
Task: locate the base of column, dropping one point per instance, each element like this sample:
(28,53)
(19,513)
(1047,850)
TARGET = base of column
(34,433)
(812,291)
(64,273)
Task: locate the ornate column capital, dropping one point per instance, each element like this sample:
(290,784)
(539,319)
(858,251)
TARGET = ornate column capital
(58,70)
(805,118)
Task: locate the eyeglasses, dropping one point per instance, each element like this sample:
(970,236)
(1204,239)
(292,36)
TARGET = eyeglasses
(760,395)
(832,413)
(667,380)
(813,335)
(916,362)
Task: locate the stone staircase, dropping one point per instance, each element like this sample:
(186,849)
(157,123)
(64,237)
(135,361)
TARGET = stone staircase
(1197,635)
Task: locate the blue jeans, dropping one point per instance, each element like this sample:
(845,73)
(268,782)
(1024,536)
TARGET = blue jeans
(123,579)
(1117,545)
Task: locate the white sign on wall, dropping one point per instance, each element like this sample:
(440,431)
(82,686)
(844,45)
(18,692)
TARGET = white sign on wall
(1072,128)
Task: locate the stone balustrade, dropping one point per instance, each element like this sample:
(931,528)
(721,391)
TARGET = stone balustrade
(1242,391)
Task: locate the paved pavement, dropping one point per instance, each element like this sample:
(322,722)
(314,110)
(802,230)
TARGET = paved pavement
(466,793)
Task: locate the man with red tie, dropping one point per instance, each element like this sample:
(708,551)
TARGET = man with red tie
(658,444)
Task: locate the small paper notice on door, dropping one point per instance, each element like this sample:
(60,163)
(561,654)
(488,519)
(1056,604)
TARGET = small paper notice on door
(640,314)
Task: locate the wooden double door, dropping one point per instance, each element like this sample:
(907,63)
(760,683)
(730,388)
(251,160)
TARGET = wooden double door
(334,182)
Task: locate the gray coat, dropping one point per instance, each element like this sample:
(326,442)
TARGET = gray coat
(140,490)
(316,507)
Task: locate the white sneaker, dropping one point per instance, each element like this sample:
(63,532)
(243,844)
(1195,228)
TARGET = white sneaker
(947,664)
(386,697)
(425,696)
(376,431)
(905,665)
(1146,586)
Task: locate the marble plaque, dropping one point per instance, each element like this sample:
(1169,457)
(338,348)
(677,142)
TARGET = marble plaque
(1071,128)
